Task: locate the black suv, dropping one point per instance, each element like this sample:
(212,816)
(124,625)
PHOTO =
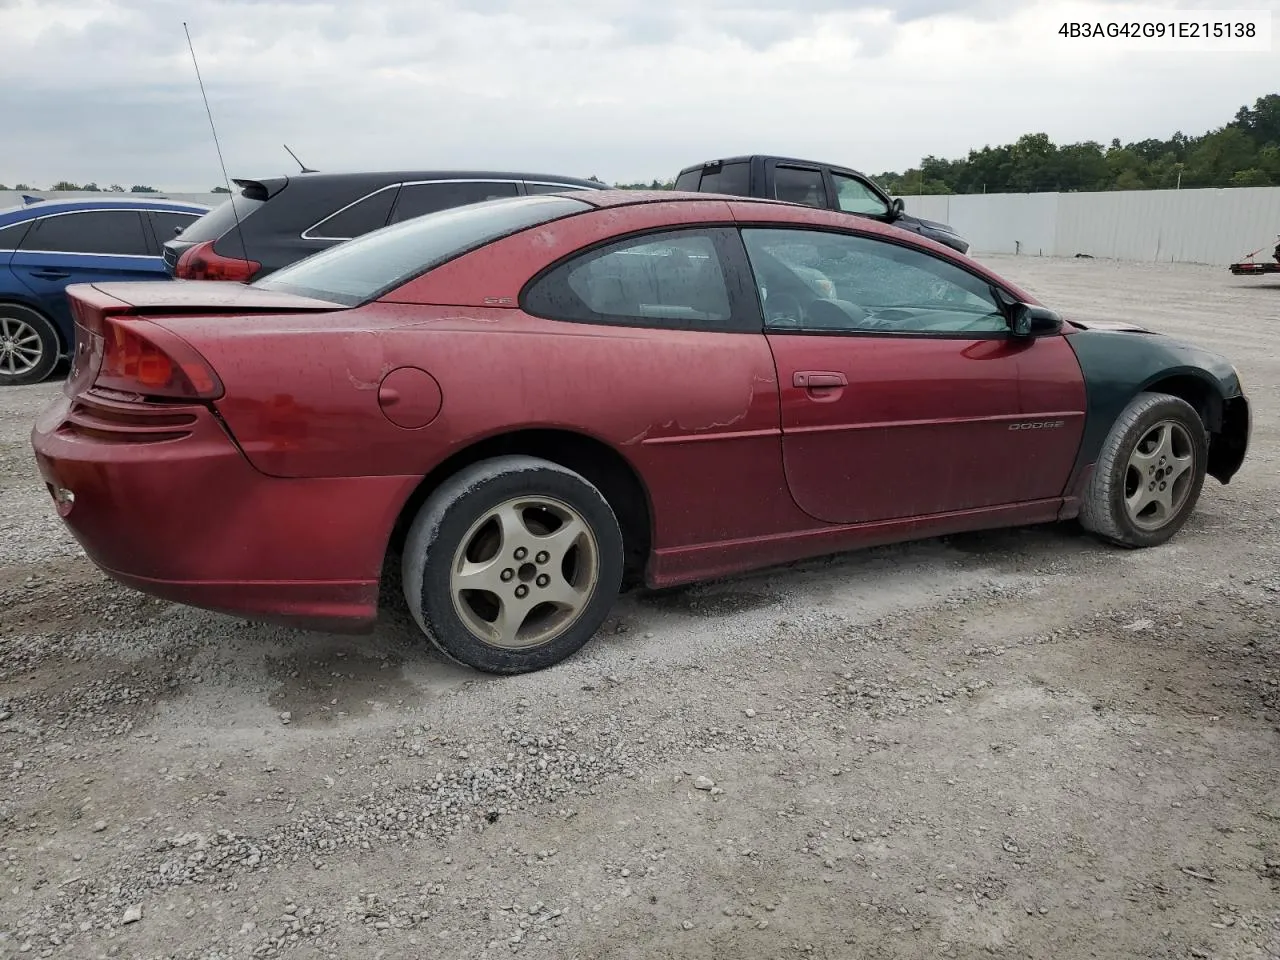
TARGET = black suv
(813,184)
(269,224)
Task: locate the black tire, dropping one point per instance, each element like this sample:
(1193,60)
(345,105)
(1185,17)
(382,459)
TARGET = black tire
(1103,510)
(18,370)
(450,514)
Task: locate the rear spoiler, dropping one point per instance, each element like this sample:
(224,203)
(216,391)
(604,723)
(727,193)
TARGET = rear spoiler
(90,302)
(260,189)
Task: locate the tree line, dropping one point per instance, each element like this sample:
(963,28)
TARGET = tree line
(1243,153)
(66,186)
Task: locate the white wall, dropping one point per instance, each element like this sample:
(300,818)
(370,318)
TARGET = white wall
(1195,226)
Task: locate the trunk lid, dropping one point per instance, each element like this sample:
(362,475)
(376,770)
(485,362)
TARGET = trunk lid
(93,303)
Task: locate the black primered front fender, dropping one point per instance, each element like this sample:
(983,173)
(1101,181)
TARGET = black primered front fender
(1227,447)
(1119,363)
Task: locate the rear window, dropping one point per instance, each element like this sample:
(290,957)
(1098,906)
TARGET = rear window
(731,178)
(220,219)
(363,269)
(688,180)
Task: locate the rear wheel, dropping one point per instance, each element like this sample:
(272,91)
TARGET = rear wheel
(1149,474)
(28,346)
(512,564)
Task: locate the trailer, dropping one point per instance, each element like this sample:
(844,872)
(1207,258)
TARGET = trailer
(1249,267)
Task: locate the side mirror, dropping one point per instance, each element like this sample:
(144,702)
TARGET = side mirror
(1026,320)
(897,208)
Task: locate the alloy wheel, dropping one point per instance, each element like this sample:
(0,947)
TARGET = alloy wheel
(524,572)
(20,348)
(1159,475)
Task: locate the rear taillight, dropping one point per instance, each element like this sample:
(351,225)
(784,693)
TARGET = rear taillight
(201,262)
(143,358)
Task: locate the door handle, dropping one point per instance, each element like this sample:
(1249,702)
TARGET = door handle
(50,274)
(815,379)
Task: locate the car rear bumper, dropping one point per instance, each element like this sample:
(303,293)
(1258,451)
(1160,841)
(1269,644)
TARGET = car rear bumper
(162,499)
(332,606)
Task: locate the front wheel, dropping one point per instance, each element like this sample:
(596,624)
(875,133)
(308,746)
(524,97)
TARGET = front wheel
(512,564)
(1149,473)
(28,346)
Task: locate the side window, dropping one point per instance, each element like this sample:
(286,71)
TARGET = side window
(799,185)
(94,231)
(856,196)
(689,180)
(12,235)
(419,199)
(532,187)
(658,280)
(818,280)
(732,178)
(167,224)
(366,214)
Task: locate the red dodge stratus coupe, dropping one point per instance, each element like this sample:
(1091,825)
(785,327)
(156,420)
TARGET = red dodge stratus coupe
(533,402)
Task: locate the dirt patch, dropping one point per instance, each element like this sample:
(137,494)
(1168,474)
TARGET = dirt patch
(326,685)
(708,601)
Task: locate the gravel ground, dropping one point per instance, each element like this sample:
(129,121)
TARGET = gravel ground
(1020,743)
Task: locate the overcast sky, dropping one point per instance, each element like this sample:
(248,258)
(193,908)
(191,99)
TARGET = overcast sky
(626,90)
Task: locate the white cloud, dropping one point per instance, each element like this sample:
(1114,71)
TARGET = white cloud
(624,89)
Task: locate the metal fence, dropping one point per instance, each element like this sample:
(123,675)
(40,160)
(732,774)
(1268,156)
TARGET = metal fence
(1184,226)
(1188,226)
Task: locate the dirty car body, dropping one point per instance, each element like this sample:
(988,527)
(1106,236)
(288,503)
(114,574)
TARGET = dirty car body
(527,404)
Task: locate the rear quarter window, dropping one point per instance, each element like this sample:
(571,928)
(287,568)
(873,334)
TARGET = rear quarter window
(167,224)
(221,219)
(365,215)
(672,280)
(11,236)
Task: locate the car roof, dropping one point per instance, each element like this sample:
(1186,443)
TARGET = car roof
(41,208)
(622,198)
(782,211)
(773,156)
(396,176)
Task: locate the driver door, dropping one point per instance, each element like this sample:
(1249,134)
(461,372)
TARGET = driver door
(902,392)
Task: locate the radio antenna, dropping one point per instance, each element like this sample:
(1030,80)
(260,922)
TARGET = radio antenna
(216,145)
(305,168)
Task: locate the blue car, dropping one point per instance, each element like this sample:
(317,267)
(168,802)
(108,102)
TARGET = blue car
(47,244)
